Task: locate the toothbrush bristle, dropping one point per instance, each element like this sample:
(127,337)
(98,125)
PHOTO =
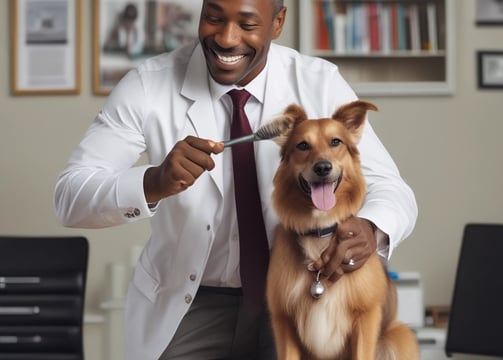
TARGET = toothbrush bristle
(268,131)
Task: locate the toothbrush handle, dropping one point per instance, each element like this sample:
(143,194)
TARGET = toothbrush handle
(239,140)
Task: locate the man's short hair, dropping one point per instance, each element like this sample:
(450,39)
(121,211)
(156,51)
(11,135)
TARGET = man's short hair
(278,5)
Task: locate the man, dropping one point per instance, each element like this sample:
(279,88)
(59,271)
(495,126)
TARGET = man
(184,301)
(125,34)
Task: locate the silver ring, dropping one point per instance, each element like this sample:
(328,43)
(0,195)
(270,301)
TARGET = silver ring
(351,262)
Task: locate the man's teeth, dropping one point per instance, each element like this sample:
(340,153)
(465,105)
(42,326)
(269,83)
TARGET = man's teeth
(230,59)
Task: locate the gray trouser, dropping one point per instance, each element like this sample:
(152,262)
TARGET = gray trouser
(219,326)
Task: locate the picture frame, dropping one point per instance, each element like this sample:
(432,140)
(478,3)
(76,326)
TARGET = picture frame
(489,12)
(490,69)
(127,32)
(45,47)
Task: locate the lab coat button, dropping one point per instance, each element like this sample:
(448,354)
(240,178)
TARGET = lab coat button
(192,277)
(188,298)
(208,227)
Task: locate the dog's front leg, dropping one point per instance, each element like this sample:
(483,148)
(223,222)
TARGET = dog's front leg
(286,339)
(366,334)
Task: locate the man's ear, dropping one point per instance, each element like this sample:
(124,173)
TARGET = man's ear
(278,22)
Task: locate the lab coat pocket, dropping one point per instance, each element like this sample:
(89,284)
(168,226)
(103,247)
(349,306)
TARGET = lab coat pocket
(145,283)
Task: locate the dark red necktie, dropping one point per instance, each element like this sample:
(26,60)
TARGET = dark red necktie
(253,244)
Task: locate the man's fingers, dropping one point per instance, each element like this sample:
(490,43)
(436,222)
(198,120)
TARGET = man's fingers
(332,259)
(196,151)
(217,147)
(325,256)
(186,161)
(353,263)
(205,145)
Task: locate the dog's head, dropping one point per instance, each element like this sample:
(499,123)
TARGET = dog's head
(320,165)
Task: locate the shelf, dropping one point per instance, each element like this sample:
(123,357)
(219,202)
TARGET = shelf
(401,47)
(377,54)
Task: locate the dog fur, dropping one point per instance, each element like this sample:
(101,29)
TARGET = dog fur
(355,318)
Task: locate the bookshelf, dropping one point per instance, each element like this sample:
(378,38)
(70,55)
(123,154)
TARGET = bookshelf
(383,47)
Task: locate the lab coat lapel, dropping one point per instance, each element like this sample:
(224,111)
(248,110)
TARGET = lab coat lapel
(277,96)
(201,115)
(278,87)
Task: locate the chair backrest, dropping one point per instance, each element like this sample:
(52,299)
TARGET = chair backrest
(476,316)
(42,289)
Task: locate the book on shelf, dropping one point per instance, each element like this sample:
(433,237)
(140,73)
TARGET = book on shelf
(340,24)
(403,33)
(431,15)
(374,28)
(365,27)
(322,33)
(414,31)
(385,27)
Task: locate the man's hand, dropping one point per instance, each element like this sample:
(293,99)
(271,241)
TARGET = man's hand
(188,159)
(355,243)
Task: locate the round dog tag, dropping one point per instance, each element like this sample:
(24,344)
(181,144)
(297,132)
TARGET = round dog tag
(317,289)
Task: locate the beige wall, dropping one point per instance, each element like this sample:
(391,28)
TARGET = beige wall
(448,148)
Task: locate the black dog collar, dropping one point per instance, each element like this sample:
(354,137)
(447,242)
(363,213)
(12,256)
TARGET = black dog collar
(321,232)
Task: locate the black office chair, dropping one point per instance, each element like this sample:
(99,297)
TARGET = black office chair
(476,316)
(42,288)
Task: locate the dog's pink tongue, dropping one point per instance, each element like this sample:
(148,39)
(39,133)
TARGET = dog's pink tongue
(322,196)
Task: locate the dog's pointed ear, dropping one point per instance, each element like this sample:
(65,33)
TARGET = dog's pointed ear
(353,115)
(293,115)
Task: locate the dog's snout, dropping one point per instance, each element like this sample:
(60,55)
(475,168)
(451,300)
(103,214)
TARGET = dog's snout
(322,168)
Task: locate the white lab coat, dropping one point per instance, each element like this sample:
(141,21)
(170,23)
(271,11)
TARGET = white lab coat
(153,107)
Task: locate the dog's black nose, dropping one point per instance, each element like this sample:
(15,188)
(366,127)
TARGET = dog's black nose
(322,168)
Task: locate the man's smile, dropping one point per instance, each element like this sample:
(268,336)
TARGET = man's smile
(229,59)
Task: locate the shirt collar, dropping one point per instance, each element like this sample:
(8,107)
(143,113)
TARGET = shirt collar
(256,87)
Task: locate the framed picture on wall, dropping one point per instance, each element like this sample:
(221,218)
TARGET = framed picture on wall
(126,32)
(490,69)
(489,12)
(45,40)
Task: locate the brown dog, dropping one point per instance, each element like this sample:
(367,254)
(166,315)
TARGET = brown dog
(318,184)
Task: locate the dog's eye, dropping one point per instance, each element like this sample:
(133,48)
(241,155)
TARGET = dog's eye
(303,146)
(335,142)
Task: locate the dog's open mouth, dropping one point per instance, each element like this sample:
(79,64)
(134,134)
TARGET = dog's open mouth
(322,193)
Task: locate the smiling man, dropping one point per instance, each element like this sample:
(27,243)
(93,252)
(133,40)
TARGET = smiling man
(185,300)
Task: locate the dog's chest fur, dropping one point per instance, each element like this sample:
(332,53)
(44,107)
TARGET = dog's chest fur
(319,334)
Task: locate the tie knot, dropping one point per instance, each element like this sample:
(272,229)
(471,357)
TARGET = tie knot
(239,97)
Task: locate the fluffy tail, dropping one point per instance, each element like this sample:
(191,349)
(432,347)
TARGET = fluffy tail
(398,342)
